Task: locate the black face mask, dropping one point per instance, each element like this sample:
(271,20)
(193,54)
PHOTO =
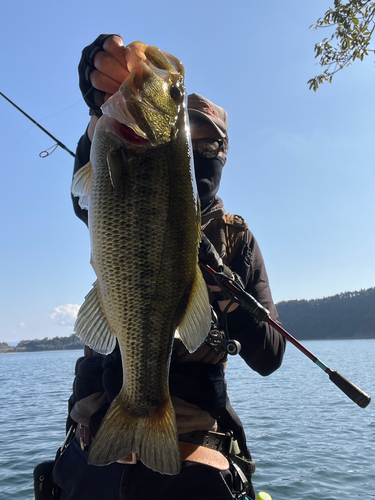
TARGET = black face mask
(208,175)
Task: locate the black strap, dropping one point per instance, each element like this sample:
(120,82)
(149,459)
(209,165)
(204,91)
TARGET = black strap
(222,295)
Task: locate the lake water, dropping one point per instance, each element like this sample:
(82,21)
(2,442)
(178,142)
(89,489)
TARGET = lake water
(308,439)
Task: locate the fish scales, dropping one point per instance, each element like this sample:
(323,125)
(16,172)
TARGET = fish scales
(145,290)
(144,224)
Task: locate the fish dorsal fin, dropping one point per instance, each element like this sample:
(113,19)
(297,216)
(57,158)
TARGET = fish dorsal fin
(81,185)
(91,325)
(196,323)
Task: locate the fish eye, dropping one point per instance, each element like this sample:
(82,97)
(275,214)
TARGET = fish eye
(175,92)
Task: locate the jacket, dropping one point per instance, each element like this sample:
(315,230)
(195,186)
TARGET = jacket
(197,381)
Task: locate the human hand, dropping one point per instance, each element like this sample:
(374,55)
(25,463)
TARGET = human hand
(111,66)
(209,256)
(102,69)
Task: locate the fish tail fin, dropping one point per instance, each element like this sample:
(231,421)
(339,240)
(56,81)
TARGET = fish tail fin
(153,436)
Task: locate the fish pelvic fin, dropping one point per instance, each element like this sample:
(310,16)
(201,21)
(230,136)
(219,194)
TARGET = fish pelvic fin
(116,160)
(81,185)
(196,323)
(91,325)
(153,436)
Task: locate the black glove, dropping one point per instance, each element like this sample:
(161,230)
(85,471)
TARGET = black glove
(209,256)
(93,97)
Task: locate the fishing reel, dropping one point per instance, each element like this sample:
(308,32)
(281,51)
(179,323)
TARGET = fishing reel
(218,339)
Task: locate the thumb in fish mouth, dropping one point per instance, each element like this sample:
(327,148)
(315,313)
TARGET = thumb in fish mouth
(134,54)
(164,61)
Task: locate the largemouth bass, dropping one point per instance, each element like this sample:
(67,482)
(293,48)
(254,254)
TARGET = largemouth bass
(144,224)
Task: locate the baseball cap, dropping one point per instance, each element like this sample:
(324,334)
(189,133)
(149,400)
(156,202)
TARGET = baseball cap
(202,107)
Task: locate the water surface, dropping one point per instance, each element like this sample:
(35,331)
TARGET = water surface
(308,439)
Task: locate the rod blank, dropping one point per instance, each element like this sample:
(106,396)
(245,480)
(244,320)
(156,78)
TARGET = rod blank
(59,143)
(248,302)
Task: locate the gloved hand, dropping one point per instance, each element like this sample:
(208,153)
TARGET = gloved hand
(209,256)
(102,69)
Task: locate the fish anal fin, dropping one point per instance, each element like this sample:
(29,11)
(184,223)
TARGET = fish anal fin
(81,185)
(91,325)
(153,436)
(196,323)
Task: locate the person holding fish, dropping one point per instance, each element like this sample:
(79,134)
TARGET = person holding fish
(149,416)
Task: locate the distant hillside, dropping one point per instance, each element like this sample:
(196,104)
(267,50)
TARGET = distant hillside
(349,315)
(55,344)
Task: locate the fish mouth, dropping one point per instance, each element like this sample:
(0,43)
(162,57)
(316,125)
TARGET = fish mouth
(117,109)
(126,133)
(142,60)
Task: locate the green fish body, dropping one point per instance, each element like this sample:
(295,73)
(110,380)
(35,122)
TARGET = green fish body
(144,224)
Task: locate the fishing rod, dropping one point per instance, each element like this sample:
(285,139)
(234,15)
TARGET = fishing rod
(43,154)
(248,302)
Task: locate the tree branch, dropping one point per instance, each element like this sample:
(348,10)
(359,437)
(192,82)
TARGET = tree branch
(354,23)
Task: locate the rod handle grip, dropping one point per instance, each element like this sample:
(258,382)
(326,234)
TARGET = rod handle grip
(352,391)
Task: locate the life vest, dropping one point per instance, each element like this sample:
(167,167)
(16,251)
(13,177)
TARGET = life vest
(236,233)
(230,235)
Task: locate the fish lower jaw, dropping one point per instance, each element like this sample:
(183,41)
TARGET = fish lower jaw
(116,108)
(124,133)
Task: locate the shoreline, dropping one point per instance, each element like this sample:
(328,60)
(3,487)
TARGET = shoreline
(15,350)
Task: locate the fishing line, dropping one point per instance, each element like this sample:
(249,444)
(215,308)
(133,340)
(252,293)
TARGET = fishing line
(62,110)
(46,153)
(18,139)
(49,151)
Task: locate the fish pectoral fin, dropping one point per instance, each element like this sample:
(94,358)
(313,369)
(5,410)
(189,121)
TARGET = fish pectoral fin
(115,161)
(153,436)
(196,323)
(81,185)
(91,325)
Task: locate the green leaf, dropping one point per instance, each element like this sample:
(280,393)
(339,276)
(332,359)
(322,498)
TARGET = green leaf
(353,24)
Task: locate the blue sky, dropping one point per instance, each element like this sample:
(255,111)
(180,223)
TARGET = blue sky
(300,167)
